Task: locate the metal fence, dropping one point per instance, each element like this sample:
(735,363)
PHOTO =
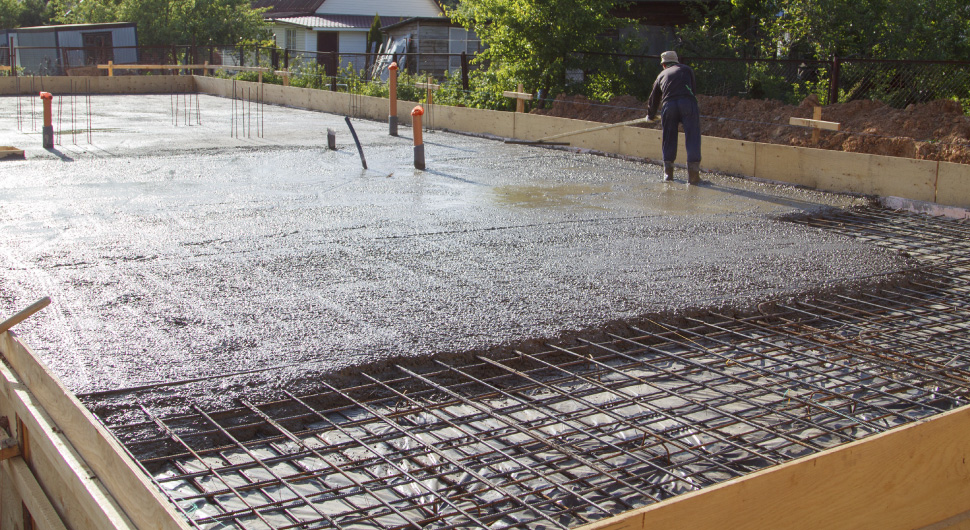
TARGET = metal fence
(83,61)
(897,83)
(894,82)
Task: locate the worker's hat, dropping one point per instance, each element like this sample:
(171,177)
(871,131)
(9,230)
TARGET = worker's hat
(668,57)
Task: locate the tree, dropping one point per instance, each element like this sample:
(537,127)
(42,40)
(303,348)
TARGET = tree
(9,14)
(883,29)
(166,22)
(533,41)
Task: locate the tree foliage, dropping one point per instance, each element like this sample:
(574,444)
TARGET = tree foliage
(882,29)
(533,42)
(165,22)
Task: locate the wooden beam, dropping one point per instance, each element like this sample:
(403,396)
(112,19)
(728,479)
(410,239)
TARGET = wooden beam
(60,469)
(79,433)
(815,124)
(25,313)
(910,477)
(427,86)
(520,98)
(41,510)
(9,447)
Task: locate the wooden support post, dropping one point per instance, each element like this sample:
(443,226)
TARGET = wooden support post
(205,69)
(817,116)
(816,123)
(520,96)
(111,68)
(429,87)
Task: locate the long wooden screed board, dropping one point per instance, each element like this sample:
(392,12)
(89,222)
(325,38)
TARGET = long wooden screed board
(914,477)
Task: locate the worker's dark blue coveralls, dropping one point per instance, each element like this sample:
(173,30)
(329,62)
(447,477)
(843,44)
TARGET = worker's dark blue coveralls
(673,92)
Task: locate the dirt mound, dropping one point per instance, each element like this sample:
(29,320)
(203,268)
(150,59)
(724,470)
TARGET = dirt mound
(937,130)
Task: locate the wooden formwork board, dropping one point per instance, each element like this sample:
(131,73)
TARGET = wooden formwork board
(909,478)
(953,184)
(89,479)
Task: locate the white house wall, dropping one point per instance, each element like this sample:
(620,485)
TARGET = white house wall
(384,8)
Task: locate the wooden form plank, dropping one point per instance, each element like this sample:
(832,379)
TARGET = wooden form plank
(815,124)
(902,479)
(835,171)
(42,512)
(428,86)
(69,484)
(139,499)
(517,95)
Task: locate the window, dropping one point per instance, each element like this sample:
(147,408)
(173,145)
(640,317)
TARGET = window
(290,39)
(460,40)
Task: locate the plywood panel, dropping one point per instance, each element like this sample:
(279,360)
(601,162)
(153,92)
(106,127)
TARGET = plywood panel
(891,481)
(902,177)
(782,163)
(640,142)
(736,157)
(478,121)
(953,184)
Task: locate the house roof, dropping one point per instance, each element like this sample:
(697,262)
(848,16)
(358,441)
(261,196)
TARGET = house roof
(334,21)
(283,8)
(410,20)
(297,8)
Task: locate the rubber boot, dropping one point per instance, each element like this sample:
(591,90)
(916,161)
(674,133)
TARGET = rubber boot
(668,171)
(693,172)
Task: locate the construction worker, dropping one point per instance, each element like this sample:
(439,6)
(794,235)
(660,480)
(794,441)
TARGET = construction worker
(673,92)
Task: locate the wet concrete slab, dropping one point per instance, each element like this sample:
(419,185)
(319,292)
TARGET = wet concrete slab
(176,251)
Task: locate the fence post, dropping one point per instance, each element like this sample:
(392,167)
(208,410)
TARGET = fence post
(274,59)
(286,59)
(333,71)
(464,71)
(834,81)
(242,56)
(13,59)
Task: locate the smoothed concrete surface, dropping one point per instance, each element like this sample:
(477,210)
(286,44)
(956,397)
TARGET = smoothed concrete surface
(172,252)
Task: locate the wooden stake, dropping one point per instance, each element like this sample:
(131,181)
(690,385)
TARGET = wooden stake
(22,315)
(520,96)
(817,116)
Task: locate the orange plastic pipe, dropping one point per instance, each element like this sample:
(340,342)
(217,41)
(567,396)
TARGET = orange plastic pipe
(392,87)
(48,118)
(416,124)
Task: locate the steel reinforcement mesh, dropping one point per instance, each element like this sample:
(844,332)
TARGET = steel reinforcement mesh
(571,434)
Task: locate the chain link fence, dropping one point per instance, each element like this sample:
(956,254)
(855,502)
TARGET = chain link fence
(897,83)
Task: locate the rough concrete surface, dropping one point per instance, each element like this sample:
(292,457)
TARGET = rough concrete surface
(174,252)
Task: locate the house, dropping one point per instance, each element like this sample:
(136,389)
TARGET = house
(309,28)
(58,50)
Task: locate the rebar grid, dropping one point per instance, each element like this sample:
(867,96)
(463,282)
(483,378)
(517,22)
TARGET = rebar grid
(578,432)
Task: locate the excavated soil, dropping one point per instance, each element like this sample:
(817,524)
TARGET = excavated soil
(937,130)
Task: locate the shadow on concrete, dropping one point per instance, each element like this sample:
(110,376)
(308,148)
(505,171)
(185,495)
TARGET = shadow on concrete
(59,154)
(766,197)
